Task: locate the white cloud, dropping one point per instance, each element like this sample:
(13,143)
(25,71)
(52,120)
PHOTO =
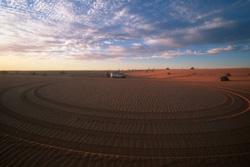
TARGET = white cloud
(221,50)
(137,44)
(175,53)
(168,42)
(246,48)
(107,42)
(184,37)
(116,49)
(215,23)
(172,54)
(141,58)
(95,56)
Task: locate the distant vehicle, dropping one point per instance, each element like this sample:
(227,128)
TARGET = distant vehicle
(117,75)
(224,78)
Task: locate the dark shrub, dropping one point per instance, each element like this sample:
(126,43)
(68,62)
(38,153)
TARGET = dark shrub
(228,74)
(169,73)
(224,78)
(63,72)
(192,68)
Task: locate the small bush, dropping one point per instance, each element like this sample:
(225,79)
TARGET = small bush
(228,75)
(167,69)
(33,73)
(192,68)
(63,72)
(169,73)
(224,78)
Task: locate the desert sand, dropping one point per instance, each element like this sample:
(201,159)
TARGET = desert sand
(151,118)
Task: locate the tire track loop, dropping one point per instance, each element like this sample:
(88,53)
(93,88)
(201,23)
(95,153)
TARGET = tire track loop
(49,125)
(236,149)
(39,137)
(118,135)
(194,119)
(105,133)
(123,148)
(93,117)
(229,90)
(229,102)
(90,159)
(37,94)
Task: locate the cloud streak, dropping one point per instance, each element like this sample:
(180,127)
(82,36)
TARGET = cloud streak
(221,50)
(174,53)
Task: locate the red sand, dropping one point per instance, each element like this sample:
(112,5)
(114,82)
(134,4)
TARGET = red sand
(186,118)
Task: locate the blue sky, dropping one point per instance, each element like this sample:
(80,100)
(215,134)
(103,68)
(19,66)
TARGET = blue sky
(125,34)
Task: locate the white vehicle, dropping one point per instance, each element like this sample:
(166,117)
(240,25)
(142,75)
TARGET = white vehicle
(117,75)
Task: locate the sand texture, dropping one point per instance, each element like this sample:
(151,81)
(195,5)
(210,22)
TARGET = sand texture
(148,119)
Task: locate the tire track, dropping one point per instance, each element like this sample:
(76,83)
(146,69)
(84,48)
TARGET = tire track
(228,103)
(37,94)
(31,137)
(34,121)
(243,148)
(53,156)
(116,118)
(118,135)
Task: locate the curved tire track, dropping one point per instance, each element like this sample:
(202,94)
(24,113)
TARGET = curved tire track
(58,143)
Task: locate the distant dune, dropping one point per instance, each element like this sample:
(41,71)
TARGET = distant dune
(151,118)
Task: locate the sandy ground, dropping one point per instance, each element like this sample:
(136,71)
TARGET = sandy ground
(185,118)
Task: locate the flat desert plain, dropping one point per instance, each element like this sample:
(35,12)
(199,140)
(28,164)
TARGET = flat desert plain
(151,118)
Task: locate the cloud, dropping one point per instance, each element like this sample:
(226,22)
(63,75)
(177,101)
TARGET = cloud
(175,53)
(116,30)
(107,42)
(172,54)
(92,56)
(221,50)
(137,44)
(141,58)
(246,48)
(205,33)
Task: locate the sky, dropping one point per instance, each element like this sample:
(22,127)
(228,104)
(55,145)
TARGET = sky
(124,34)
